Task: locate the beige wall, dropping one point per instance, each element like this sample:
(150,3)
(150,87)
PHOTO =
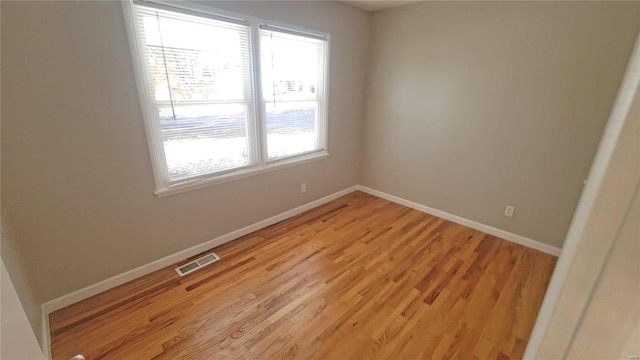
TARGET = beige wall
(470,106)
(475,105)
(76,175)
(17,340)
(14,259)
(22,281)
(20,311)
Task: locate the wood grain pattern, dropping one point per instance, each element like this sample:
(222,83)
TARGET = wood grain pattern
(357,278)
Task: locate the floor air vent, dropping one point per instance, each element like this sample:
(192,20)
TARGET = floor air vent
(197,264)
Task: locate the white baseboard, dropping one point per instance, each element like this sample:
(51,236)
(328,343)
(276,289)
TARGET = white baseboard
(91,290)
(518,239)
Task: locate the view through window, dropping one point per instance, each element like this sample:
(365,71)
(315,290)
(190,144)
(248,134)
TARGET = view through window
(292,72)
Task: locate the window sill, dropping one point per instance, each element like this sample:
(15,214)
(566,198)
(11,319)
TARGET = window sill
(236,175)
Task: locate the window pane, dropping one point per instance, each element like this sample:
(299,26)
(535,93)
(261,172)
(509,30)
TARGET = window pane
(205,138)
(292,73)
(198,77)
(291,128)
(292,66)
(194,59)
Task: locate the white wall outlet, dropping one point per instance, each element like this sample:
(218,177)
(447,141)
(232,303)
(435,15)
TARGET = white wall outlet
(508,211)
(303,188)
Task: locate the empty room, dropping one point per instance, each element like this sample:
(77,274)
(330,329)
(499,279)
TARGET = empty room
(320,179)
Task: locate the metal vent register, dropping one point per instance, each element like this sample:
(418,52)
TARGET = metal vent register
(197,264)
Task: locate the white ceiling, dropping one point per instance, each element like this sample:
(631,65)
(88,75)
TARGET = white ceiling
(377,5)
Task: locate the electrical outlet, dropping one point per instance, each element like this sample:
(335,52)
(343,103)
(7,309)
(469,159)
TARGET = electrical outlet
(303,187)
(508,211)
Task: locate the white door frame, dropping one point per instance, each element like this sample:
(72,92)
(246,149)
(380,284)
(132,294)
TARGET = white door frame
(567,294)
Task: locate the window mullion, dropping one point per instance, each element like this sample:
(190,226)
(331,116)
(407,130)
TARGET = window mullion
(260,118)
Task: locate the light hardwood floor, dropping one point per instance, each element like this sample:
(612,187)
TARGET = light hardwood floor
(357,278)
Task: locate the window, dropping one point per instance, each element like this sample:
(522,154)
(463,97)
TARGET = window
(292,90)
(225,96)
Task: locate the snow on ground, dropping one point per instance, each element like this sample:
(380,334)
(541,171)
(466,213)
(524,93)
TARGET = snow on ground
(189,157)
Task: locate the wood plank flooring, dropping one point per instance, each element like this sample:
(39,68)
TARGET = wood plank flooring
(357,278)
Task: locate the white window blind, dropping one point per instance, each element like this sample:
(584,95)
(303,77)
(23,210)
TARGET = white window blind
(198,74)
(293,71)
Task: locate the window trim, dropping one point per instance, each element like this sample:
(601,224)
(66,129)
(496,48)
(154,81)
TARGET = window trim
(165,187)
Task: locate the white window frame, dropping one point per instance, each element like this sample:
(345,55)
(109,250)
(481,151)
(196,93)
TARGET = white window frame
(165,187)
